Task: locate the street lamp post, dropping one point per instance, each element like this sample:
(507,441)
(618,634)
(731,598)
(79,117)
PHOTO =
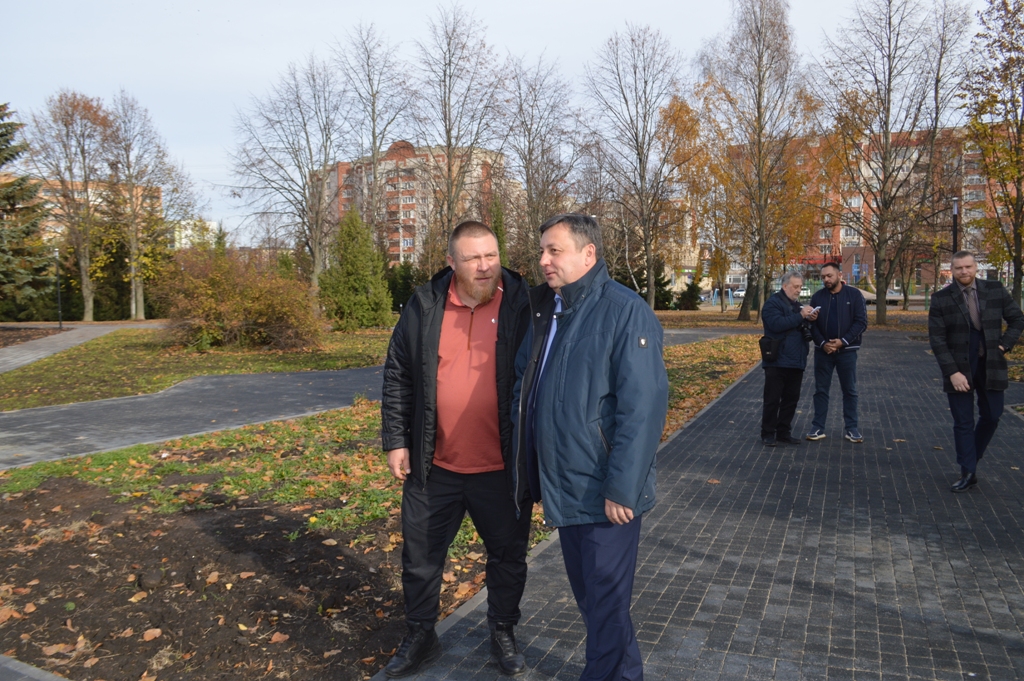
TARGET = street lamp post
(956,221)
(60,313)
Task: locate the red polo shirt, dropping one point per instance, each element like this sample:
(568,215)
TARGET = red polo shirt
(468,438)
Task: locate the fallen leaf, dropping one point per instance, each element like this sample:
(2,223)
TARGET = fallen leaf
(22,591)
(330,542)
(138,596)
(898,439)
(146,677)
(448,576)
(303,589)
(57,648)
(714,481)
(90,662)
(127,633)
(278,637)
(33,582)
(331,653)
(151,634)
(474,555)
(368,660)
(7,613)
(270,665)
(212,577)
(131,578)
(463,589)
(303,507)
(243,627)
(379,613)
(479,578)
(246,575)
(30,607)
(55,509)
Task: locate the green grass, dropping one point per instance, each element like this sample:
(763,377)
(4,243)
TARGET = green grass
(137,361)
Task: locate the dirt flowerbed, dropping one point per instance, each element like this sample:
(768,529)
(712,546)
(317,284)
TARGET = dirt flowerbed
(14,335)
(269,552)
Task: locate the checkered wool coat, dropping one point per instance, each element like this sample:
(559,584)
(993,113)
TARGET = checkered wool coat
(949,331)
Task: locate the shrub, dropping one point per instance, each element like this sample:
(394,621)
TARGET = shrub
(219,298)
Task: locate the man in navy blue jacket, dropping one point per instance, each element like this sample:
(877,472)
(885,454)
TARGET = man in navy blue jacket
(782,317)
(589,407)
(842,319)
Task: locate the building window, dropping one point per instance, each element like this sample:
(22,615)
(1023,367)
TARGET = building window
(407,185)
(974,195)
(854,202)
(826,249)
(973,179)
(408,199)
(408,243)
(826,234)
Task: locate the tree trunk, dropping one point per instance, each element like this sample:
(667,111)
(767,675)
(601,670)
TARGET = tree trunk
(881,287)
(652,285)
(88,290)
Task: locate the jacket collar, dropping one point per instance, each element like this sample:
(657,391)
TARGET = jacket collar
(573,293)
(440,283)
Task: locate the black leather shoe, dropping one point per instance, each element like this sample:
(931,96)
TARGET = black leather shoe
(768,441)
(964,483)
(788,440)
(504,650)
(419,647)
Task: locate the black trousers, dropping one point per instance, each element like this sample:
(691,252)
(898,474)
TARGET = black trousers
(431,516)
(781,394)
(972,437)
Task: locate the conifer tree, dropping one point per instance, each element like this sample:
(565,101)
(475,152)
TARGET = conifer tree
(24,261)
(353,290)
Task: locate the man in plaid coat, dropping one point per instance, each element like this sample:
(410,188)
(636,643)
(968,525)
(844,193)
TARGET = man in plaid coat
(965,327)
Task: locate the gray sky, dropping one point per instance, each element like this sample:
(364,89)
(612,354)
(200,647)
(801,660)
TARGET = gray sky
(193,63)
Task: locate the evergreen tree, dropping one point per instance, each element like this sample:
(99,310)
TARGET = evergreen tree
(662,293)
(24,261)
(352,289)
(402,279)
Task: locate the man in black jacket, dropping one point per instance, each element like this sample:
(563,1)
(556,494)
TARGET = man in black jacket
(965,327)
(446,426)
(842,319)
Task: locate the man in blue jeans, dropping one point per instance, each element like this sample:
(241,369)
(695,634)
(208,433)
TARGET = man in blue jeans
(842,319)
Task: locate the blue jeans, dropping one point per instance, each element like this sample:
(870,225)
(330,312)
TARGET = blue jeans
(843,363)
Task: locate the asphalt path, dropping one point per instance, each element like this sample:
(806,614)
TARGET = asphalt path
(198,405)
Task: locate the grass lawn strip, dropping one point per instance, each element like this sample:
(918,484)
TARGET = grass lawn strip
(137,361)
(272,548)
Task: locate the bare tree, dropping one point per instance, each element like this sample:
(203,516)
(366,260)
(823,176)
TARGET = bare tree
(753,82)
(287,142)
(141,184)
(375,78)
(67,141)
(885,88)
(544,145)
(457,107)
(631,80)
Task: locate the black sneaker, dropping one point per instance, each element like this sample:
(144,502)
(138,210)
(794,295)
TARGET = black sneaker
(419,647)
(504,650)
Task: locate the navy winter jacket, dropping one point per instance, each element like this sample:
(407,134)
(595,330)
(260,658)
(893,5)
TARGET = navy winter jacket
(600,407)
(781,319)
(853,316)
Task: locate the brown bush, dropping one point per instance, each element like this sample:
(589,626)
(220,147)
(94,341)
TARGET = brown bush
(218,298)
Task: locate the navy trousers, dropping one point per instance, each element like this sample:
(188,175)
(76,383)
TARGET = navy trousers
(600,560)
(972,437)
(844,363)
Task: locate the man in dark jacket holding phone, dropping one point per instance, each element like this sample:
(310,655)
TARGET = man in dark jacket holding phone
(842,319)
(784,321)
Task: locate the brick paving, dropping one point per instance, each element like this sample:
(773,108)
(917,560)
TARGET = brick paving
(827,560)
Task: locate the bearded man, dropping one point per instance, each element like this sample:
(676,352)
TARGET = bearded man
(446,427)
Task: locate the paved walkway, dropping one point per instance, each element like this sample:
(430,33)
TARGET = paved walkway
(16,356)
(827,560)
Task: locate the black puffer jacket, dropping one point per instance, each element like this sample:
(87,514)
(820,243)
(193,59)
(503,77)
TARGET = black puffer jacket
(409,405)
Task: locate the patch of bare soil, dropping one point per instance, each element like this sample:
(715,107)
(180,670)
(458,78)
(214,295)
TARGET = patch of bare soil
(13,336)
(231,590)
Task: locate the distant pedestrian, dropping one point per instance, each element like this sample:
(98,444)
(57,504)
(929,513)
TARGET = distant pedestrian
(842,318)
(965,327)
(446,425)
(590,403)
(787,322)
